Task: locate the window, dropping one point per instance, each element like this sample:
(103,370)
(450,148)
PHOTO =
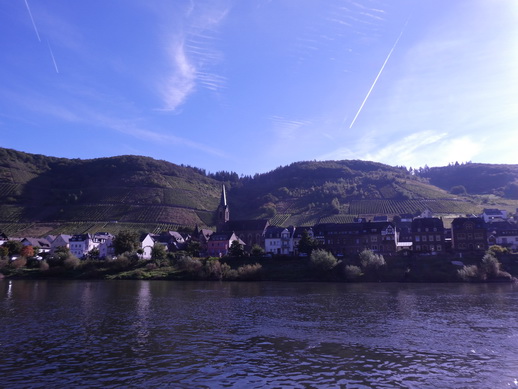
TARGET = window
(417,238)
(424,238)
(430,238)
(438,238)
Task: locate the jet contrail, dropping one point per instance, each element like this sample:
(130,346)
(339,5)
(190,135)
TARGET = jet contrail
(379,74)
(52,56)
(33,24)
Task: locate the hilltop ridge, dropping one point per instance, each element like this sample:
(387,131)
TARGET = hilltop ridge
(41,195)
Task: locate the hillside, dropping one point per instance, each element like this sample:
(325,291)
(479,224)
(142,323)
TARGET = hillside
(476,178)
(122,190)
(41,195)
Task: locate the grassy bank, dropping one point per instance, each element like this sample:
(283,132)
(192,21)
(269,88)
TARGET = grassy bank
(393,269)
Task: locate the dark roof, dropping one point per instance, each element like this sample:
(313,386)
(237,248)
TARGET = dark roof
(492,211)
(458,223)
(352,228)
(427,222)
(245,225)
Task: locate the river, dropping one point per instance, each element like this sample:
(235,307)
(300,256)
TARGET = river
(257,335)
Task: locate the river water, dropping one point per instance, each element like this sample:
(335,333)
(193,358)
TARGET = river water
(257,335)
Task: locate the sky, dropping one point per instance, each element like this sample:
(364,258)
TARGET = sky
(251,85)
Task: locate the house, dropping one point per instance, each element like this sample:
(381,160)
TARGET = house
(489,214)
(503,233)
(41,244)
(279,240)
(146,244)
(61,240)
(82,244)
(3,238)
(220,242)
(104,241)
(352,238)
(428,235)
(202,236)
(469,234)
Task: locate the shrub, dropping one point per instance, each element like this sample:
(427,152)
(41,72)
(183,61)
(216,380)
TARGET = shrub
(323,260)
(71,262)
(188,264)
(489,265)
(44,266)
(352,272)
(468,273)
(371,260)
(19,263)
(121,263)
(249,272)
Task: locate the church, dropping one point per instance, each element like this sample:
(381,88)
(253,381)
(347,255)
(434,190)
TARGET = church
(251,232)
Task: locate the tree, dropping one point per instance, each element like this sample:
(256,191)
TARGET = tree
(323,260)
(371,260)
(236,249)
(4,252)
(27,251)
(193,248)
(257,250)
(458,190)
(126,241)
(158,251)
(94,253)
(13,247)
(307,244)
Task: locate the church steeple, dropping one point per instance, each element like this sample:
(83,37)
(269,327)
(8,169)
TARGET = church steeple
(223,211)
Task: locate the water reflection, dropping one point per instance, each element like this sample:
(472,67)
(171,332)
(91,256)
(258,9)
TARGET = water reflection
(257,334)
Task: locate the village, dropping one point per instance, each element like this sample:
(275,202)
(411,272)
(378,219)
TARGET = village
(403,235)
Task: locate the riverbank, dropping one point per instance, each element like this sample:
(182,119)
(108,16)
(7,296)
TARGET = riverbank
(292,269)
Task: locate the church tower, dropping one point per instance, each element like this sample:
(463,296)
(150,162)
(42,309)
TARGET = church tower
(223,211)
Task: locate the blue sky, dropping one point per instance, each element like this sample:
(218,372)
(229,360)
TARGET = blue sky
(248,86)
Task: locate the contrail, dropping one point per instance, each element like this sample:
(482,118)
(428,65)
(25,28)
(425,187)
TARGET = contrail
(52,56)
(379,74)
(34,24)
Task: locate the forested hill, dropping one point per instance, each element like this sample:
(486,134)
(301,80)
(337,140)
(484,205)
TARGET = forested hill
(475,178)
(41,195)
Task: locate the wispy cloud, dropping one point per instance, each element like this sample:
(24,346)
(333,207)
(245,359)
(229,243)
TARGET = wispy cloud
(181,82)
(192,55)
(287,129)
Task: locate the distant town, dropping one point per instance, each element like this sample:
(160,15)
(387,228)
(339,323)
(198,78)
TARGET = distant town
(403,235)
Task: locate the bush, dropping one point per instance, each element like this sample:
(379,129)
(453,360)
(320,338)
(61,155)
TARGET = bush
(71,262)
(468,273)
(249,272)
(371,260)
(188,264)
(489,265)
(323,260)
(488,268)
(352,272)
(44,266)
(19,263)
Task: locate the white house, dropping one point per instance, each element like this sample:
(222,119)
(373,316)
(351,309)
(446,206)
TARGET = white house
(61,240)
(279,240)
(146,244)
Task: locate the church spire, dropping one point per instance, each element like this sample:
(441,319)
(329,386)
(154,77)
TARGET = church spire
(223,201)
(223,211)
